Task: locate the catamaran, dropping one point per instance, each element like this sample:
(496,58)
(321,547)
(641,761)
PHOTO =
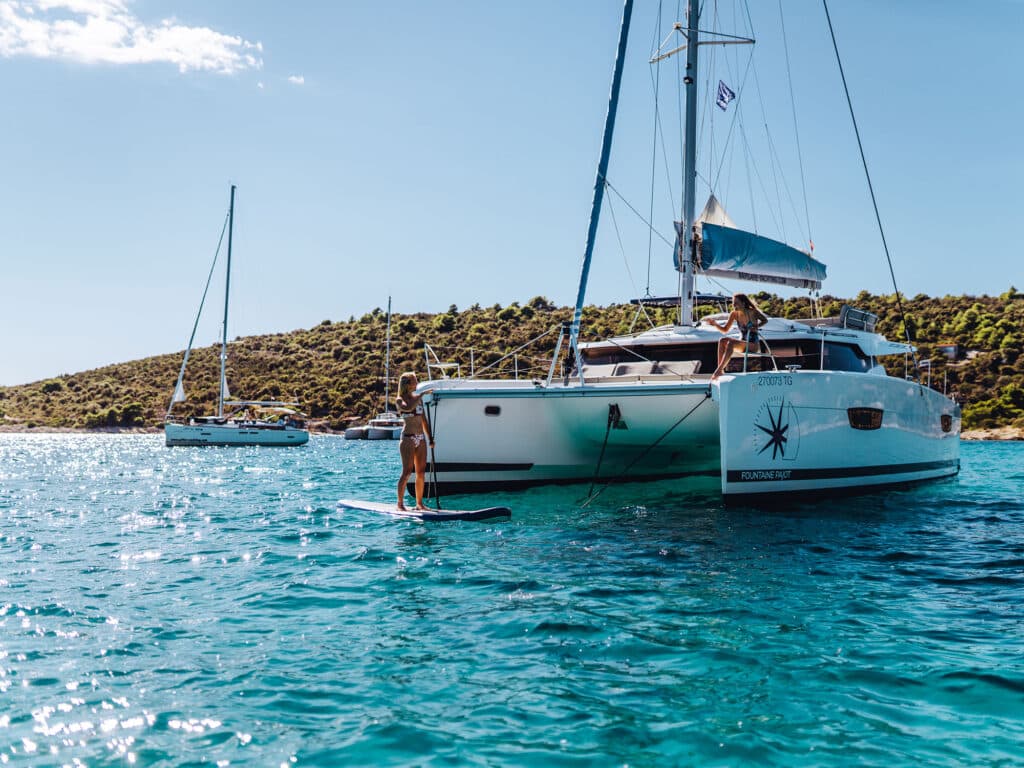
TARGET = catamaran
(248,422)
(812,410)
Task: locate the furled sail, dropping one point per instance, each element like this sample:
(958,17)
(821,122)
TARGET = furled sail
(179,393)
(726,251)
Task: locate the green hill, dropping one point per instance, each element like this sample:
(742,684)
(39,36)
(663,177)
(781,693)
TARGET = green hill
(336,368)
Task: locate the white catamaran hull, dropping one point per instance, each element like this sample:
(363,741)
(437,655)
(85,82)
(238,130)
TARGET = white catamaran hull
(383,433)
(233,433)
(820,431)
(514,434)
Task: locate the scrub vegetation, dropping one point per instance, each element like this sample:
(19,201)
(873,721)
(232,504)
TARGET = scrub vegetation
(335,370)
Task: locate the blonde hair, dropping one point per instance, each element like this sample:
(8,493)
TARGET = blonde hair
(405,385)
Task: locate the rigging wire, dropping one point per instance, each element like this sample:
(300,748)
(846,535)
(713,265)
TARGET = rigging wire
(625,260)
(680,108)
(760,181)
(776,172)
(609,186)
(871,189)
(199,313)
(656,77)
(735,117)
(776,164)
(796,128)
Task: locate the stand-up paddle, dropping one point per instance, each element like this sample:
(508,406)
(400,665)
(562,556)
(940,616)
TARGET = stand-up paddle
(426,515)
(433,459)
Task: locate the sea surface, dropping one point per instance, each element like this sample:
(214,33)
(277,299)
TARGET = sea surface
(213,607)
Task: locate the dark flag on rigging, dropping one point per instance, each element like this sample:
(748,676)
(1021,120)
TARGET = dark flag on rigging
(725,95)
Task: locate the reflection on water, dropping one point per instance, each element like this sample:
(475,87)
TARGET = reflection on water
(170,606)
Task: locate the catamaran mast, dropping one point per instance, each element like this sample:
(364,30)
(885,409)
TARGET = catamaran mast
(602,169)
(227,293)
(387,362)
(686,265)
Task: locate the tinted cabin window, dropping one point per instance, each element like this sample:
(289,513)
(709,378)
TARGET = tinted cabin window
(865,418)
(843,357)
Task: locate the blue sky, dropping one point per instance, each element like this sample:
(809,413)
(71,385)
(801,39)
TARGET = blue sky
(444,153)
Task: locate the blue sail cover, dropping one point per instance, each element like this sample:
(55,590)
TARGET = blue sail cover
(733,253)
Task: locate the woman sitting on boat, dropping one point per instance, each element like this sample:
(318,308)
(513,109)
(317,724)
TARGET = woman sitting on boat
(415,437)
(749,318)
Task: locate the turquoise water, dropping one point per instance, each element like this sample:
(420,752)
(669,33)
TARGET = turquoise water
(211,606)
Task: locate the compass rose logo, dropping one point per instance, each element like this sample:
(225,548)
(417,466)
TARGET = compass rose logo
(776,432)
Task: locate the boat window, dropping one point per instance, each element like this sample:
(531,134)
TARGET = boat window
(492,410)
(845,357)
(864,418)
(801,353)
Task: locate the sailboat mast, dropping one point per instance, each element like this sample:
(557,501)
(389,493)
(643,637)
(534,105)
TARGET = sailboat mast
(227,293)
(686,265)
(387,362)
(602,169)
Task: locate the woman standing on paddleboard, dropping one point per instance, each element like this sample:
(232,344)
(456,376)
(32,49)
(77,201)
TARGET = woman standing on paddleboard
(415,437)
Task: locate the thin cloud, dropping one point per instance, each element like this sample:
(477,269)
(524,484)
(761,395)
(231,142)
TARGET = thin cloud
(296,79)
(107,32)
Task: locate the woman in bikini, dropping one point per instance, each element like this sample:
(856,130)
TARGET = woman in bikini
(749,318)
(415,437)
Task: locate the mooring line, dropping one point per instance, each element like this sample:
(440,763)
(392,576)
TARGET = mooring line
(648,449)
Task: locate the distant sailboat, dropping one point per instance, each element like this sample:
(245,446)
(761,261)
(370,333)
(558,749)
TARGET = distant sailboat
(387,425)
(254,427)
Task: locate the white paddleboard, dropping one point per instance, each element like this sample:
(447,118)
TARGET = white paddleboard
(427,515)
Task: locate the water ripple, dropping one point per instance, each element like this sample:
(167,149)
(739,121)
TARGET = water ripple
(173,607)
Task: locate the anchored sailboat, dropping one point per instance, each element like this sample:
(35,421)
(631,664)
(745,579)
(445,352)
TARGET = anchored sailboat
(249,421)
(812,410)
(387,425)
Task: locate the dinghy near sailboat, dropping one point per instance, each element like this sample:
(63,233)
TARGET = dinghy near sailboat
(813,409)
(237,422)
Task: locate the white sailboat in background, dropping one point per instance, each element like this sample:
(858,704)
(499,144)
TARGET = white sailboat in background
(814,411)
(387,425)
(250,422)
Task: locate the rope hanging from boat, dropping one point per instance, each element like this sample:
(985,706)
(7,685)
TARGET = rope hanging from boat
(614,417)
(871,189)
(586,502)
(195,325)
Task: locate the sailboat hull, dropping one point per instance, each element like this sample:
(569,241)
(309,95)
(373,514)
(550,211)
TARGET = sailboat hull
(516,434)
(384,433)
(816,432)
(233,433)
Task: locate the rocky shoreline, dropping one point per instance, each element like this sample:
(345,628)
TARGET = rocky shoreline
(23,429)
(996,433)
